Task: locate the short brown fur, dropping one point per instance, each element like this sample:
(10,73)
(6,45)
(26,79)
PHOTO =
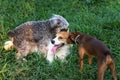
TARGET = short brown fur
(93,47)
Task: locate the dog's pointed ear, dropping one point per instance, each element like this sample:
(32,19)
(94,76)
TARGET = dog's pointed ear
(78,33)
(70,40)
(71,33)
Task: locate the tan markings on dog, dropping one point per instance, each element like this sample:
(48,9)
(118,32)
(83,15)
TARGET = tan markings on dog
(33,47)
(62,36)
(81,55)
(108,59)
(12,39)
(90,57)
(101,70)
(29,34)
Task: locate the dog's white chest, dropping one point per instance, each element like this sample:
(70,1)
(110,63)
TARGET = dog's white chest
(62,52)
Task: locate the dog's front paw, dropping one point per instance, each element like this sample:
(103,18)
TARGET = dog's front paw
(50,58)
(25,60)
(81,68)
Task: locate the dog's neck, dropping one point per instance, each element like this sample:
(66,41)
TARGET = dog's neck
(77,38)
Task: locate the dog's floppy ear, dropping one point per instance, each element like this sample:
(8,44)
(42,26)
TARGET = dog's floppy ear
(58,21)
(66,30)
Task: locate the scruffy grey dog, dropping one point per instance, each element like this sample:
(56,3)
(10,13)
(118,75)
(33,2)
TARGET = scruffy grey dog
(35,35)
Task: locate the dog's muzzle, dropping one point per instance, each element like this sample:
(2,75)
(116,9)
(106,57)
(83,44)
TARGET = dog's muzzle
(56,47)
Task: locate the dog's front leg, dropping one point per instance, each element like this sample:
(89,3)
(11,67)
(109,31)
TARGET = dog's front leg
(22,52)
(81,55)
(90,57)
(50,56)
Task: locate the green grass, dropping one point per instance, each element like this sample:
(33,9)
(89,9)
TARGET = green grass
(99,18)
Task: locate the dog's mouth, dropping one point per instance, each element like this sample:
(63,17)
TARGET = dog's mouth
(56,47)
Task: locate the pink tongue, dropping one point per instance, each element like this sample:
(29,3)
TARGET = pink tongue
(54,49)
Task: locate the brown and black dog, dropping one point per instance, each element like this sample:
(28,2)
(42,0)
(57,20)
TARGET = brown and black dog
(92,47)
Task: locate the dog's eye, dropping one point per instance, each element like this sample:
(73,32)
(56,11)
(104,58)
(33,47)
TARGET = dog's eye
(60,38)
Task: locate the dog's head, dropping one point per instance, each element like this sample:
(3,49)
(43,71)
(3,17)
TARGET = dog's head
(73,36)
(60,40)
(65,37)
(58,22)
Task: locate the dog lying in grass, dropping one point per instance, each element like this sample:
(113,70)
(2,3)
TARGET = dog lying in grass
(35,35)
(58,48)
(92,47)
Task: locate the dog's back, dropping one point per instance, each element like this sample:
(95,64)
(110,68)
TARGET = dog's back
(94,46)
(97,48)
(31,31)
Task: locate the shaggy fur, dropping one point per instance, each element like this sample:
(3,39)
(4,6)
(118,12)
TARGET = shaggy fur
(36,35)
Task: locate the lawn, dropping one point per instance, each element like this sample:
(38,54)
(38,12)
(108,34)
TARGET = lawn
(99,18)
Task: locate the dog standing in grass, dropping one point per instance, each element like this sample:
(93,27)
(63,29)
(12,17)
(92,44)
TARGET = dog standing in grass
(35,35)
(92,47)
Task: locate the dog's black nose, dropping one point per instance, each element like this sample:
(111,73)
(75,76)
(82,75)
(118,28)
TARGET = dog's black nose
(52,41)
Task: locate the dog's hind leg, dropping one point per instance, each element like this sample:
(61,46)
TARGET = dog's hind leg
(102,66)
(22,52)
(112,69)
(111,65)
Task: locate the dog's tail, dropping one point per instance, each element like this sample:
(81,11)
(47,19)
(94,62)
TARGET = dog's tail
(111,64)
(8,45)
